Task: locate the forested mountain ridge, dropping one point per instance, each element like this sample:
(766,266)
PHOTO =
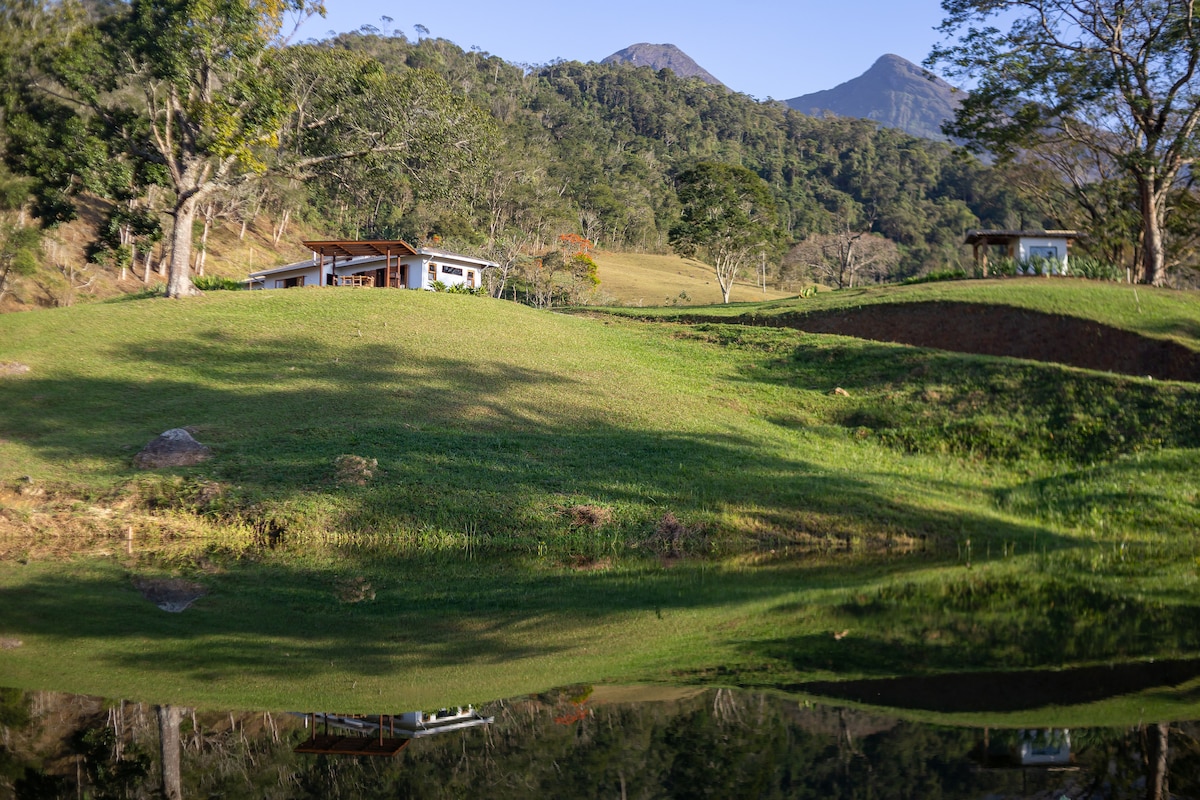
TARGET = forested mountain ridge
(566,147)
(599,146)
(662,56)
(894,92)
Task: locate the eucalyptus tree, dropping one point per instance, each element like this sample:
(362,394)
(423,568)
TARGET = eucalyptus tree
(729,218)
(1115,78)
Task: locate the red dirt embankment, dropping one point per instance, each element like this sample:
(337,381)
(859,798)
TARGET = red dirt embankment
(1003,331)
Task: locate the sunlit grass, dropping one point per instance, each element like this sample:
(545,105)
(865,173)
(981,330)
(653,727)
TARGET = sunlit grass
(561,499)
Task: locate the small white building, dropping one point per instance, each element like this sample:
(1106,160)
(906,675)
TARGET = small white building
(1046,252)
(378,263)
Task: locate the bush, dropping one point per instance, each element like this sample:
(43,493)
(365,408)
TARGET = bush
(1023,266)
(212,283)
(942,275)
(462,288)
(1096,269)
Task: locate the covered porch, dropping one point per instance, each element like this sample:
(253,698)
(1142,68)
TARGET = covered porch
(391,273)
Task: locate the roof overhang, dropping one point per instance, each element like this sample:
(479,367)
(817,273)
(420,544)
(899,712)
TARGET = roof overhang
(354,248)
(998,236)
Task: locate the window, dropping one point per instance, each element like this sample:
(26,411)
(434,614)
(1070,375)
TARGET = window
(288,283)
(471,278)
(451,270)
(432,272)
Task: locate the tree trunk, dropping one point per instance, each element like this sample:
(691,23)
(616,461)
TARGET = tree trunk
(282,227)
(203,254)
(169,747)
(1156,761)
(179,282)
(1153,218)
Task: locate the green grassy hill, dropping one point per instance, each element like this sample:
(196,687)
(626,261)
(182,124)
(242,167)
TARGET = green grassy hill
(537,499)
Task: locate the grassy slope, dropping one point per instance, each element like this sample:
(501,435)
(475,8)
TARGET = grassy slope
(647,279)
(1154,312)
(489,420)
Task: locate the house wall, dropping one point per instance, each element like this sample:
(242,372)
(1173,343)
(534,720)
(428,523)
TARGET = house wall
(1029,247)
(277,280)
(449,270)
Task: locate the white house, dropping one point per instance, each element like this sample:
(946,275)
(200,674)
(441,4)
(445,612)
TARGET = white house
(1049,248)
(378,263)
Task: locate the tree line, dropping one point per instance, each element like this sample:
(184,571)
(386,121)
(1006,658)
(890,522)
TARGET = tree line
(178,114)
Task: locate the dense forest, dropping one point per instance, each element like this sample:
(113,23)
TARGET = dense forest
(372,134)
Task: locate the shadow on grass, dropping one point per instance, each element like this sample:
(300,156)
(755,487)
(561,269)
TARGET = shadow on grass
(462,446)
(282,620)
(488,452)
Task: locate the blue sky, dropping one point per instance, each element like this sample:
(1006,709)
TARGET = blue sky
(764,48)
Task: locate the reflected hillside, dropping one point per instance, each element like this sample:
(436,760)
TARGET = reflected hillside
(579,743)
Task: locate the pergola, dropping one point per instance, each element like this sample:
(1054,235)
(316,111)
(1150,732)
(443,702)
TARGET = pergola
(1010,240)
(349,744)
(348,249)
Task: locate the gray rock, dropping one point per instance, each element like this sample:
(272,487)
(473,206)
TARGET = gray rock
(173,448)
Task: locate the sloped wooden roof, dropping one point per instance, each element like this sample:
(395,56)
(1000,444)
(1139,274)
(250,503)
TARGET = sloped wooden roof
(354,248)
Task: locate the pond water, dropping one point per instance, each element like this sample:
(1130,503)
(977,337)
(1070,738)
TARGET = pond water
(576,742)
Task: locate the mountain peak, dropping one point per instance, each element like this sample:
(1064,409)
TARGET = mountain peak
(662,56)
(894,92)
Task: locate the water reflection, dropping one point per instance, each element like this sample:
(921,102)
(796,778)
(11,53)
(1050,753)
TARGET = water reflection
(381,734)
(576,742)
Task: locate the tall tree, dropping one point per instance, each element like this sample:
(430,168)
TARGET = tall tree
(1117,78)
(845,256)
(204,103)
(729,218)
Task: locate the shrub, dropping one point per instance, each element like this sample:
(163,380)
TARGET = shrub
(942,275)
(1096,269)
(213,283)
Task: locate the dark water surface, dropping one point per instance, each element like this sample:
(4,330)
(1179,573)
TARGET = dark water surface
(579,743)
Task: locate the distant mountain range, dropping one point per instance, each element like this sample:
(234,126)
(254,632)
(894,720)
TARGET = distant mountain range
(894,92)
(662,56)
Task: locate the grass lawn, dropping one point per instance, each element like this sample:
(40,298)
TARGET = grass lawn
(541,499)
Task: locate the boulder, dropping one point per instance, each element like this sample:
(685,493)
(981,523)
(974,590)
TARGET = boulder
(173,448)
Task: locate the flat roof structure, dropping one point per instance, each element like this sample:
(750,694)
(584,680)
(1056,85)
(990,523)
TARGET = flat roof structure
(353,248)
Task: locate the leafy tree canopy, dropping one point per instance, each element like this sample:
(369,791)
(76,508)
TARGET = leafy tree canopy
(1115,80)
(729,216)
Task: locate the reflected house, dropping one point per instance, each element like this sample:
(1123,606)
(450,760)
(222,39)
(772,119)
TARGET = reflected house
(1044,747)
(382,734)
(376,263)
(1026,747)
(1040,252)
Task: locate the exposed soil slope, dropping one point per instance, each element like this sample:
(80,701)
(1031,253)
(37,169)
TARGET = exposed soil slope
(1003,331)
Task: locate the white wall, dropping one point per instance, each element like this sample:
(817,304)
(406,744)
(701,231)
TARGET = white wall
(419,276)
(1029,247)
(275,279)
(470,273)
